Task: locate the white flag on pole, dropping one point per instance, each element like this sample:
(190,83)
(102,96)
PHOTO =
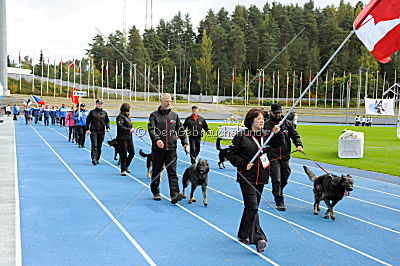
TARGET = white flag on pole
(379,106)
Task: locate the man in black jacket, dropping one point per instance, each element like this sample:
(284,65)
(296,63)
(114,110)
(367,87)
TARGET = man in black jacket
(97,123)
(164,129)
(279,156)
(195,124)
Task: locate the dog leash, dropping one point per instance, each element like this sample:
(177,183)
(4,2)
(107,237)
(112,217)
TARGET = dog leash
(314,162)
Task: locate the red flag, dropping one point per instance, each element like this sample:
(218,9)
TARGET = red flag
(72,64)
(19,58)
(233,76)
(75,99)
(378,28)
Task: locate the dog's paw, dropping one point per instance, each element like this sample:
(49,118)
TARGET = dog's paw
(315,212)
(326,216)
(190,201)
(205,203)
(184,196)
(333,217)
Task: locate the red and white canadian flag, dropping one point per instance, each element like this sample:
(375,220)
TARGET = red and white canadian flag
(378,27)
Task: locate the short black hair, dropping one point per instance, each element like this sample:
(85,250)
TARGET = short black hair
(251,115)
(125,108)
(195,107)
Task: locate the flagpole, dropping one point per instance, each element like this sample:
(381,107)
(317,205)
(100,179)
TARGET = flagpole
(148,84)
(333,88)
(259,87)
(102,79)
(116,79)
(302,95)
(41,81)
(366,86)
(80,74)
(245,88)
(190,81)
(20,75)
(61,74)
(175,86)
(74,73)
(277,89)
(33,77)
(217,85)
(68,66)
(301,84)
(162,79)
(273,86)
(122,81)
(233,81)
(294,84)
(287,88)
(158,80)
(316,95)
(135,80)
(309,92)
(144,82)
(326,87)
(383,87)
(263,87)
(55,76)
(130,82)
(48,70)
(108,83)
(89,68)
(94,91)
(359,90)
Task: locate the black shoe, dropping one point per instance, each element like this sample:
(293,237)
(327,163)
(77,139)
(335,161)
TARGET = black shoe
(94,162)
(281,207)
(157,197)
(123,173)
(128,170)
(261,244)
(97,162)
(175,199)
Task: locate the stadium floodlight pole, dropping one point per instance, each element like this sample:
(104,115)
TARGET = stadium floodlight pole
(304,92)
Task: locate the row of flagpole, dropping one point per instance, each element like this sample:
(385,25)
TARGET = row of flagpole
(261,93)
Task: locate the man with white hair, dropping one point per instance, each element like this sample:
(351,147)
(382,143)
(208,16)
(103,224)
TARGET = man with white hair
(165,128)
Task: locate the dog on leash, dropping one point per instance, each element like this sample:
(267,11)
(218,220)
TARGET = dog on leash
(114,143)
(149,163)
(197,175)
(223,154)
(329,188)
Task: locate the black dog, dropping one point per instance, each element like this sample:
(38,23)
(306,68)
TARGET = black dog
(149,163)
(330,188)
(223,154)
(197,175)
(117,150)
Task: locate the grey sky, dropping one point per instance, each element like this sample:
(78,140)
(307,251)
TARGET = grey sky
(63,28)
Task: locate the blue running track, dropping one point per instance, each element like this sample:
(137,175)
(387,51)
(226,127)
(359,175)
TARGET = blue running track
(66,204)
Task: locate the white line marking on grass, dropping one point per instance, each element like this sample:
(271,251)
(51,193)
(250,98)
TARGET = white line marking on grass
(347,215)
(190,212)
(130,238)
(18,248)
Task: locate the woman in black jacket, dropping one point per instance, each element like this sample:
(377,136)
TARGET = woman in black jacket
(252,176)
(124,137)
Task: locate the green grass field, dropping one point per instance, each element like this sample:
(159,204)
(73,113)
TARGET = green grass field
(381,146)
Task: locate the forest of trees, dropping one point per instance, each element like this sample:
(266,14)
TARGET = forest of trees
(245,40)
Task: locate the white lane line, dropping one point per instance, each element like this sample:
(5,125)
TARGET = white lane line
(330,170)
(309,230)
(130,238)
(18,248)
(350,197)
(190,212)
(347,215)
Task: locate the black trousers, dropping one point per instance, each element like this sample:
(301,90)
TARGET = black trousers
(167,157)
(53,121)
(81,134)
(71,133)
(280,172)
(97,140)
(126,146)
(46,121)
(62,121)
(15,117)
(27,118)
(250,224)
(194,148)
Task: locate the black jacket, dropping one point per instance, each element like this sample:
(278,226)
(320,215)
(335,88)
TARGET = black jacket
(124,126)
(97,121)
(165,125)
(243,149)
(289,132)
(195,127)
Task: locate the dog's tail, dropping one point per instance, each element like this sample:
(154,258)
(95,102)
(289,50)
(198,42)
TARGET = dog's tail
(218,144)
(310,174)
(144,154)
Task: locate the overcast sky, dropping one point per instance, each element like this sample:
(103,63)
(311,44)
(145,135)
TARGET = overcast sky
(63,28)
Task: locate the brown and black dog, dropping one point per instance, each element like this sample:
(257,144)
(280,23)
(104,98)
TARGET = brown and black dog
(331,189)
(197,175)
(115,144)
